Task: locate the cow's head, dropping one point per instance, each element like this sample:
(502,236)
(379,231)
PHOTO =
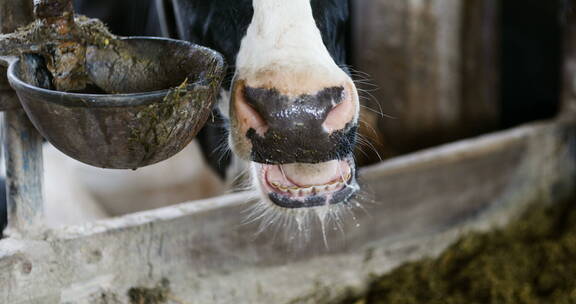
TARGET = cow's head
(293,111)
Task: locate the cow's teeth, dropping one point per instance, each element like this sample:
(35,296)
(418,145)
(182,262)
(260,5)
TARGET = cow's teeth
(346,178)
(311,190)
(280,187)
(333,186)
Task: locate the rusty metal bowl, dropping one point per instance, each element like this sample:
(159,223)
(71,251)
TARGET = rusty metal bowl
(158,111)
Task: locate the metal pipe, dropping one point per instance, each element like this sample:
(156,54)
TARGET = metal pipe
(24,175)
(22,148)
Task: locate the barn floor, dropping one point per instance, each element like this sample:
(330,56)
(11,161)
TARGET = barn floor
(530,261)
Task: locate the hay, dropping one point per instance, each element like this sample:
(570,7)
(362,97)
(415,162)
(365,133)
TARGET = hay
(531,261)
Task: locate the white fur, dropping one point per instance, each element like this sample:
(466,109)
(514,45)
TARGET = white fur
(297,226)
(66,199)
(77,193)
(283,48)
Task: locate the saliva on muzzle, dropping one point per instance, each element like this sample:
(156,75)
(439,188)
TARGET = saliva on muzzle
(296,161)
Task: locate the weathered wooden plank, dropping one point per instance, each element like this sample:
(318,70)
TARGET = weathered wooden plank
(421,203)
(434,65)
(480,82)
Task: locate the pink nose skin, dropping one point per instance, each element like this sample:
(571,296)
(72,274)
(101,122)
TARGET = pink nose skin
(246,116)
(343,113)
(307,128)
(341,110)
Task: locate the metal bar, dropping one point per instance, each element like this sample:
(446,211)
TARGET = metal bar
(24,175)
(22,147)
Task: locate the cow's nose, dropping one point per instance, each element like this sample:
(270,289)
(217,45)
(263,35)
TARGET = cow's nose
(303,128)
(326,111)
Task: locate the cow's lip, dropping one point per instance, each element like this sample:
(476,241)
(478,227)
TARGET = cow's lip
(322,184)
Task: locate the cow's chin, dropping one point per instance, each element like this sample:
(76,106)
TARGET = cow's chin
(302,185)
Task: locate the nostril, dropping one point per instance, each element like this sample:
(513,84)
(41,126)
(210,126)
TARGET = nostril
(342,114)
(247,117)
(261,109)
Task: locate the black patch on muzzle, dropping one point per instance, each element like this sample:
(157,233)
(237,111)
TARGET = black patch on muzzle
(300,146)
(295,132)
(342,196)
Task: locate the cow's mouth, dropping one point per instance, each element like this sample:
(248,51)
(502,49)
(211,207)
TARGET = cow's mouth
(301,185)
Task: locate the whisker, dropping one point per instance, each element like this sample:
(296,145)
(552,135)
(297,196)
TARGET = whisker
(371,98)
(283,174)
(342,175)
(368,144)
(368,125)
(382,114)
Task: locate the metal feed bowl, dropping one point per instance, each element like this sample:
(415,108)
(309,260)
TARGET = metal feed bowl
(161,106)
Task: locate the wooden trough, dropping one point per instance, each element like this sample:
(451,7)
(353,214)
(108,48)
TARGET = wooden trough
(200,252)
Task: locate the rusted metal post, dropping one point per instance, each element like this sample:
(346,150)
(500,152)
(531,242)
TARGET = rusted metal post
(22,146)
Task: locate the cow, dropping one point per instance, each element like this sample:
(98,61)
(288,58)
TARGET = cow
(290,107)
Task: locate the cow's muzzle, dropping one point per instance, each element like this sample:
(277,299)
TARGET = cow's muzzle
(301,146)
(309,128)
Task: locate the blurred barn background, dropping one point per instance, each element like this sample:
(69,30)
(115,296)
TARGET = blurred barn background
(432,71)
(448,69)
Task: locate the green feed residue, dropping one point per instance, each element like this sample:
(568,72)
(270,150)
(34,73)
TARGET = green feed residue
(156,295)
(531,261)
(161,119)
